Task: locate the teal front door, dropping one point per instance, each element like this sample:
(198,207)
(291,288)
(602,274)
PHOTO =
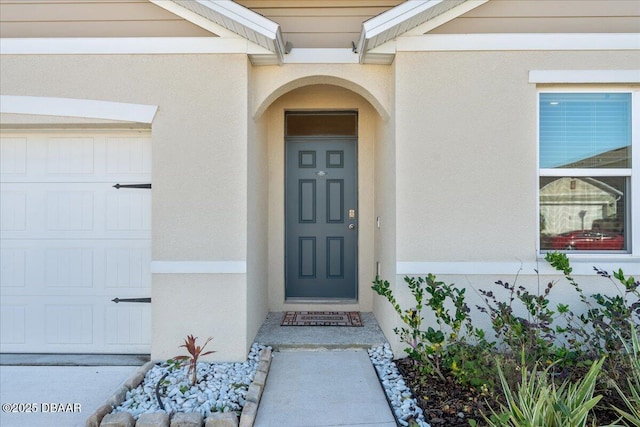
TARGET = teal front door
(321,226)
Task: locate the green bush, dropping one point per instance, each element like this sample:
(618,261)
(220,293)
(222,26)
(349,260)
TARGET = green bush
(539,402)
(453,344)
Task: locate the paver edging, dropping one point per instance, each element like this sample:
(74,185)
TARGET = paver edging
(132,382)
(249,411)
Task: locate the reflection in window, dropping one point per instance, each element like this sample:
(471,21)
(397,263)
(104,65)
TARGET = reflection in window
(585,171)
(582,213)
(341,123)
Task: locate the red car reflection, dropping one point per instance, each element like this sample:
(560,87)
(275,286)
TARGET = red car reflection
(588,240)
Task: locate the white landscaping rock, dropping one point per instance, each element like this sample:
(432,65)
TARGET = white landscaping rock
(221,387)
(403,404)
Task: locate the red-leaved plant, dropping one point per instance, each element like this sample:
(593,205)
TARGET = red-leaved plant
(195,352)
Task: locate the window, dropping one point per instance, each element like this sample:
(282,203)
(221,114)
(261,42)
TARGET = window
(343,123)
(585,171)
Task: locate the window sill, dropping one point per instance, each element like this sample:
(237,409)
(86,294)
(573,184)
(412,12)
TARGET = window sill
(583,263)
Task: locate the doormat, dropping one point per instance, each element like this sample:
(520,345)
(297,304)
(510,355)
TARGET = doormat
(322,318)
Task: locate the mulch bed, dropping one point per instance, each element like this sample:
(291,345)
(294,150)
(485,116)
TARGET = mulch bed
(449,404)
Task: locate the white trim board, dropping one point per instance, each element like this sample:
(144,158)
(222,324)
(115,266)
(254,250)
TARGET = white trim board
(198,267)
(582,265)
(528,41)
(321,56)
(584,76)
(71,107)
(126,45)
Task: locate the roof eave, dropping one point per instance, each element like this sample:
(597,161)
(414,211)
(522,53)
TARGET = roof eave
(407,18)
(227,18)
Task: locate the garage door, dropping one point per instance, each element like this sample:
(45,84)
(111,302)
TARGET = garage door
(70,242)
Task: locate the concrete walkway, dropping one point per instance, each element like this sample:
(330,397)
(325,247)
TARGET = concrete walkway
(323,388)
(44,388)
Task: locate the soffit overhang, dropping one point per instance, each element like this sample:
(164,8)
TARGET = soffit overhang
(414,17)
(266,46)
(226,18)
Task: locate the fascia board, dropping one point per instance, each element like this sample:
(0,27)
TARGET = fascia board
(238,20)
(445,17)
(396,16)
(404,18)
(385,21)
(195,18)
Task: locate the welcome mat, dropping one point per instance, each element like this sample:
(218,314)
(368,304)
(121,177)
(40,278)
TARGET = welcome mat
(322,318)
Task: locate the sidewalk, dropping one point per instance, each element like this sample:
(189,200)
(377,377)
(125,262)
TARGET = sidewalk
(80,389)
(323,388)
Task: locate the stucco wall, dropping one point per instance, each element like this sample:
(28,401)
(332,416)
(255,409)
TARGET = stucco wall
(466,163)
(257,222)
(199,174)
(466,125)
(385,231)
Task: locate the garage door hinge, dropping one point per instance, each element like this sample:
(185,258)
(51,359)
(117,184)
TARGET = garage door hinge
(118,186)
(117,300)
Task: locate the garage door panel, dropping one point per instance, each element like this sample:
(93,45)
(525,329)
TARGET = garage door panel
(128,267)
(128,324)
(73,210)
(13,267)
(12,324)
(69,267)
(13,156)
(60,267)
(129,210)
(69,210)
(89,324)
(75,158)
(70,155)
(128,156)
(68,323)
(71,242)
(13,210)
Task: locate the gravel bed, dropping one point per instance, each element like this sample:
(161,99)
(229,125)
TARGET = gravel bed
(400,398)
(221,387)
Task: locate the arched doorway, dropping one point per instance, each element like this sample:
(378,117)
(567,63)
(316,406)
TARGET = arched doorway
(320,99)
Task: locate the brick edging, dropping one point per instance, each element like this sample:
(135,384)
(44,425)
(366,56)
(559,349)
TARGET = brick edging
(103,417)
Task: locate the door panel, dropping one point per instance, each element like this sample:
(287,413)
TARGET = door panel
(321,235)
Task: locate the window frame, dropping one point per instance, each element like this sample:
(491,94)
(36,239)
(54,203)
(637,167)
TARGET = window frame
(632,220)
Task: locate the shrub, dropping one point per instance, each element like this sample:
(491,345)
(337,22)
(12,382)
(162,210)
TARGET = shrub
(538,402)
(447,345)
(630,394)
(195,352)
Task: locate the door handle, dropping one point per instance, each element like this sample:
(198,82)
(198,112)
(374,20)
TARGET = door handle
(352,226)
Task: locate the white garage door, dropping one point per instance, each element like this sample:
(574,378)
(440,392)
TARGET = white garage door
(71,242)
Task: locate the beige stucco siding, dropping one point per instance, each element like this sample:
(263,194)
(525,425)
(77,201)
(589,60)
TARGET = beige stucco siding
(466,142)
(547,16)
(385,229)
(257,220)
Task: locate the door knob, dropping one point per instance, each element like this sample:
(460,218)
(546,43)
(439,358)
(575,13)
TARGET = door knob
(352,226)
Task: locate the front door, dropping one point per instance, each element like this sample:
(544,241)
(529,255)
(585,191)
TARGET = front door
(321,218)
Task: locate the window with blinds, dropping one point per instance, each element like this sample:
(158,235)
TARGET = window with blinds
(585,143)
